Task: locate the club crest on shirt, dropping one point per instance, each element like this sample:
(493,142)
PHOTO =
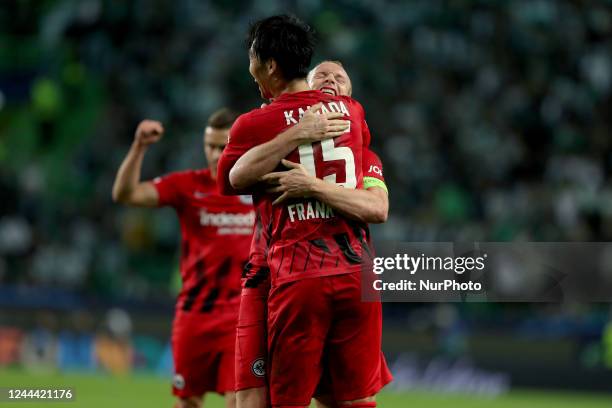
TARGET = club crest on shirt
(178,381)
(258,367)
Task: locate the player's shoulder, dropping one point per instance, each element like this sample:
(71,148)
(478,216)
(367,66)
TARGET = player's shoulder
(249,119)
(350,101)
(189,173)
(247,115)
(243,119)
(371,158)
(177,176)
(370,153)
(296,99)
(203,175)
(257,117)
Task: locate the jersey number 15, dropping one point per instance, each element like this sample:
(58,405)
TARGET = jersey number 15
(330,152)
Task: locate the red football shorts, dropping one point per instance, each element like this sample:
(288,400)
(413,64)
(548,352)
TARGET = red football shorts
(319,322)
(203,350)
(251,338)
(251,352)
(324,388)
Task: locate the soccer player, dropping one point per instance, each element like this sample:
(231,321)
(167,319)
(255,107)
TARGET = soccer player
(369,206)
(216,233)
(314,255)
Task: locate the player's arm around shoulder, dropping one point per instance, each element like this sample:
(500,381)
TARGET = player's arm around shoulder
(369,204)
(379,204)
(264,158)
(127,188)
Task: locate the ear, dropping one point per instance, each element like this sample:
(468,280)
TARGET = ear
(271,66)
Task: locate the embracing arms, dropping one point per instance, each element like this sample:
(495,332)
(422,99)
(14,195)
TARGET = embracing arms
(370,205)
(265,157)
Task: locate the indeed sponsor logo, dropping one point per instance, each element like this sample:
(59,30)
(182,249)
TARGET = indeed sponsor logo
(224,219)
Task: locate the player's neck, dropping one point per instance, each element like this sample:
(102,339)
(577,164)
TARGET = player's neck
(297,85)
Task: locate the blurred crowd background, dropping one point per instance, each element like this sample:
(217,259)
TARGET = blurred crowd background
(492,120)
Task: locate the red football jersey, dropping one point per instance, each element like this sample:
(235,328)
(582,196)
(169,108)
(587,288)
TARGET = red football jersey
(372,177)
(257,270)
(216,233)
(307,238)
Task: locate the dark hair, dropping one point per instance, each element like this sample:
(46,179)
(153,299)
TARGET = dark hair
(287,40)
(222,119)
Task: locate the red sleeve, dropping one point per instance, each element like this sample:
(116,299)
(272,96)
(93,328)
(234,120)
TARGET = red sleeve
(366,134)
(372,166)
(240,140)
(365,130)
(169,188)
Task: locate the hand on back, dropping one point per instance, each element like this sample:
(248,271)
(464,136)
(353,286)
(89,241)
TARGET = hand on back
(319,126)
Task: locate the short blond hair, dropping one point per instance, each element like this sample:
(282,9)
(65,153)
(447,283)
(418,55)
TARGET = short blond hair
(311,73)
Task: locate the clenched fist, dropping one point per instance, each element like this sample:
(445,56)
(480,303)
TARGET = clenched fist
(148,132)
